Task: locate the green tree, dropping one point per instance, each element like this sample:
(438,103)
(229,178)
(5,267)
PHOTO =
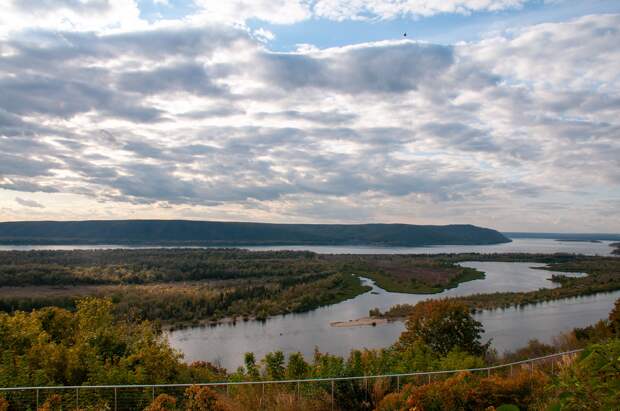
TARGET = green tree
(444,325)
(250,365)
(297,367)
(274,365)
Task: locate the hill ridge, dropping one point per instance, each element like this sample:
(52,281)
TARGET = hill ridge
(200,232)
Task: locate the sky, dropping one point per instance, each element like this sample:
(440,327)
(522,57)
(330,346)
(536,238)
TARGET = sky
(498,113)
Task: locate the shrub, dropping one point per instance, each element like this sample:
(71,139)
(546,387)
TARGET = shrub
(592,382)
(203,399)
(466,391)
(163,402)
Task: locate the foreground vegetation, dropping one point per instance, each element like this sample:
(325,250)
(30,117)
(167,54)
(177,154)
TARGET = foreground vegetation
(92,346)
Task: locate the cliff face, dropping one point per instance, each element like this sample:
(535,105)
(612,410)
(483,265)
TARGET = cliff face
(180,232)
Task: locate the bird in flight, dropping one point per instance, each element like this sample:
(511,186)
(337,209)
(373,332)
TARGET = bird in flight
(405,34)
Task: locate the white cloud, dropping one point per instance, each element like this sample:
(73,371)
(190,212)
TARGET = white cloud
(203,121)
(83,15)
(273,11)
(388,9)
(263,35)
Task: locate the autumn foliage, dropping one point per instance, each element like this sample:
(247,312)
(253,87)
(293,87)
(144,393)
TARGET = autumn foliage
(467,391)
(444,325)
(203,399)
(163,402)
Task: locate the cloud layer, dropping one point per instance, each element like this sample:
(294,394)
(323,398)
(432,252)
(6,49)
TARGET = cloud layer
(194,120)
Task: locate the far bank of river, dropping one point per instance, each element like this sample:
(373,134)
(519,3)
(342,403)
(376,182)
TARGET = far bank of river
(509,328)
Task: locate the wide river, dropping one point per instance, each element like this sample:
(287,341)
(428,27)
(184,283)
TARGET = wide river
(509,328)
(519,245)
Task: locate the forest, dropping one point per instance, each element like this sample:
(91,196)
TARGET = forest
(220,233)
(93,346)
(181,287)
(186,286)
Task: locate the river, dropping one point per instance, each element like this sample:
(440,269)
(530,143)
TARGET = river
(519,245)
(509,328)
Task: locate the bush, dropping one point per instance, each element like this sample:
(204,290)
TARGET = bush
(466,391)
(203,399)
(52,403)
(592,382)
(162,402)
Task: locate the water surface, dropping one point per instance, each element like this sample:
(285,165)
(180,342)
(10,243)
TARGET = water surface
(519,245)
(509,328)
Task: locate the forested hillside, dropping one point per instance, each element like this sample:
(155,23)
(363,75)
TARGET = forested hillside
(186,232)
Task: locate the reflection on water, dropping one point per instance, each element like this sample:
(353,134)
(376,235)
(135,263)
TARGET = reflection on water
(509,328)
(519,245)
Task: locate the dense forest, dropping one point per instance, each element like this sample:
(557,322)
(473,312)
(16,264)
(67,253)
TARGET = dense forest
(183,232)
(93,346)
(186,286)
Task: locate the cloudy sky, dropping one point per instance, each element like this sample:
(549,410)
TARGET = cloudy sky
(501,113)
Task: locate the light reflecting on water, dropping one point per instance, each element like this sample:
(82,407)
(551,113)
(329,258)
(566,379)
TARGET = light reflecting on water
(510,328)
(519,245)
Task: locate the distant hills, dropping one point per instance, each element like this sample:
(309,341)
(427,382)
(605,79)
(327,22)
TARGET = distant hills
(212,233)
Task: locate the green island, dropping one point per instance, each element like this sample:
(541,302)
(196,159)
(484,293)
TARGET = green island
(415,274)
